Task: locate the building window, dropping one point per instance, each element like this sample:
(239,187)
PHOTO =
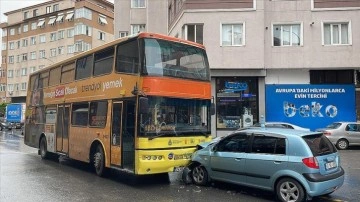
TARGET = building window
(11,59)
(11,45)
(19,30)
(12,31)
(331,76)
(83,13)
(3,47)
(52,20)
(81,46)
(53,36)
(23,86)
(33,25)
(41,23)
(123,34)
(48,9)
(287,35)
(55,7)
(52,52)
(25,28)
(42,38)
(194,33)
(10,73)
(23,71)
(3,89)
(60,18)
(3,59)
(135,29)
(61,34)
(70,16)
(70,49)
(336,33)
(18,58)
(33,55)
(137,3)
(236,102)
(35,12)
(24,56)
(42,54)
(26,15)
(24,42)
(32,40)
(101,36)
(82,29)
(232,34)
(18,43)
(4,32)
(32,69)
(61,50)
(102,20)
(70,33)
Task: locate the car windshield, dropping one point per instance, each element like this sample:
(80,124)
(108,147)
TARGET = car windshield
(165,58)
(319,144)
(333,126)
(175,117)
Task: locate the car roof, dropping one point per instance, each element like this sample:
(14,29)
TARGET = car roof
(279,131)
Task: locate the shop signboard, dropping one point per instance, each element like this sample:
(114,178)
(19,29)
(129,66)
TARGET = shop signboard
(310,106)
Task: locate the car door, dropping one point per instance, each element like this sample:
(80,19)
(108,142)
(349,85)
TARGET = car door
(228,159)
(352,131)
(267,156)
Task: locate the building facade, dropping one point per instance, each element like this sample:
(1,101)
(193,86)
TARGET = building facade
(251,44)
(40,35)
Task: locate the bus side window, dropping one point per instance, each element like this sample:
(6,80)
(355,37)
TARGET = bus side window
(80,114)
(104,62)
(127,57)
(84,67)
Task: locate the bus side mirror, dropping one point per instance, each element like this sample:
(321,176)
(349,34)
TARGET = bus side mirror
(212,109)
(144,105)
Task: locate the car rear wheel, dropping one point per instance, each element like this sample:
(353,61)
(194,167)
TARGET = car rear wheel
(342,144)
(288,189)
(199,175)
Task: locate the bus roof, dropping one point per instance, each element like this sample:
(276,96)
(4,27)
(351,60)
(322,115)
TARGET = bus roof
(117,41)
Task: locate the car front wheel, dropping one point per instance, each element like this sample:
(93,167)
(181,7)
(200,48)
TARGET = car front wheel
(199,175)
(342,144)
(288,189)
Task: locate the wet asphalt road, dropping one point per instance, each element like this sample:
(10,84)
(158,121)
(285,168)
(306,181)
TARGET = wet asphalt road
(25,177)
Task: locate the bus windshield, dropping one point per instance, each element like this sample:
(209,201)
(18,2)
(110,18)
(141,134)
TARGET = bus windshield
(175,117)
(166,58)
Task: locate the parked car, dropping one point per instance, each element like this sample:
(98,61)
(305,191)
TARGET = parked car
(5,125)
(342,134)
(281,125)
(296,165)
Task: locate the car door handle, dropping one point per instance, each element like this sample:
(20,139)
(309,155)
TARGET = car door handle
(238,159)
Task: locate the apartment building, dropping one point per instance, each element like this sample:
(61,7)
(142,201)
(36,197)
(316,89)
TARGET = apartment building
(134,16)
(252,44)
(40,35)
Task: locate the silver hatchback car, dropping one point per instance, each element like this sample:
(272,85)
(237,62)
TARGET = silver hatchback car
(342,134)
(296,165)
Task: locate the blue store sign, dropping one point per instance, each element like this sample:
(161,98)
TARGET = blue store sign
(310,106)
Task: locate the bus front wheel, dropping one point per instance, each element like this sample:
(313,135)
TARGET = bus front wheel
(99,161)
(43,148)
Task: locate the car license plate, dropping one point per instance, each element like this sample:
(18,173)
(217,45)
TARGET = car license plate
(178,169)
(330,165)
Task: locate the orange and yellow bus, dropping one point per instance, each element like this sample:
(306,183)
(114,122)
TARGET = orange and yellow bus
(139,104)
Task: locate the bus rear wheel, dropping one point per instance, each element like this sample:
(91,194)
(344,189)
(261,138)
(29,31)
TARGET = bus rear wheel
(99,161)
(43,148)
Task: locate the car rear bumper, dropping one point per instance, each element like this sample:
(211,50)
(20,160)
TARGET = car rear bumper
(324,184)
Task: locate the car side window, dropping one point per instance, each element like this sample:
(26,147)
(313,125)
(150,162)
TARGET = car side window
(268,145)
(351,127)
(234,143)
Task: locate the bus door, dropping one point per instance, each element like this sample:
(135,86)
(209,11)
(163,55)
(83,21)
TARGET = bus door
(128,135)
(62,129)
(116,133)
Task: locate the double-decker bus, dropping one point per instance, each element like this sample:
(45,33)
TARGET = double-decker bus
(139,104)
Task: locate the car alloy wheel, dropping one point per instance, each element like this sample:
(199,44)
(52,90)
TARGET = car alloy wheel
(199,175)
(342,144)
(288,190)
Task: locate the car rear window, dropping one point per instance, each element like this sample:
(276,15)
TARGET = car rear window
(333,126)
(319,144)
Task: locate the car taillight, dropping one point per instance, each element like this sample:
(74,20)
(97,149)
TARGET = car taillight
(311,162)
(326,133)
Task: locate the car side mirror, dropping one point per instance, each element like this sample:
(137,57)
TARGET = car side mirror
(214,148)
